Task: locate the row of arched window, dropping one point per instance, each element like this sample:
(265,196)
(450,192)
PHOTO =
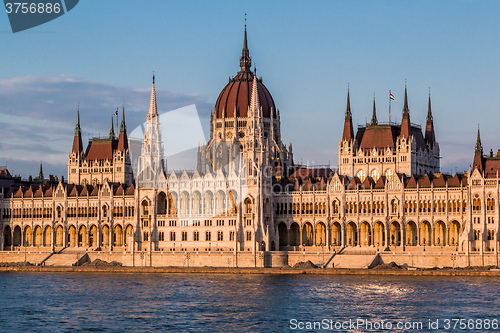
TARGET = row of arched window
(365,207)
(197,204)
(438,206)
(298,208)
(36,213)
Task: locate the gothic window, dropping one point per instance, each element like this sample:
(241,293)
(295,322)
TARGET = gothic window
(394,204)
(361,175)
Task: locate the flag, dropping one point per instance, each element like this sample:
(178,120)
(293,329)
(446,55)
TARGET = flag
(391,96)
(116,112)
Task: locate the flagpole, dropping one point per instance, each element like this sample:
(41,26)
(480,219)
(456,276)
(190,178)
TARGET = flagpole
(389,107)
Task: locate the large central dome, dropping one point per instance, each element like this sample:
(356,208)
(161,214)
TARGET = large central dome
(235,97)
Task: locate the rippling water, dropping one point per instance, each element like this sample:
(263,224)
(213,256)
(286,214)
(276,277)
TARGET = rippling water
(67,302)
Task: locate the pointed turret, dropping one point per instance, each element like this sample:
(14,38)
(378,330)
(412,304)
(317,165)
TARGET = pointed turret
(430,137)
(153,111)
(40,174)
(77,140)
(478,154)
(348,131)
(245,61)
(112,130)
(122,139)
(254,99)
(374,116)
(405,122)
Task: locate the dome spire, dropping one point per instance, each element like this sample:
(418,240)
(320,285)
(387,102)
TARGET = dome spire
(245,61)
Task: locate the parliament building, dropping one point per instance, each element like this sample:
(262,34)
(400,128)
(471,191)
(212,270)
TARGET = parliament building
(248,196)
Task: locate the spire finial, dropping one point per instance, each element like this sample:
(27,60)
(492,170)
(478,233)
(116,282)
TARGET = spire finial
(122,125)
(112,130)
(153,77)
(245,61)
(479,147)
(405,108)
(348,107)
(374,116)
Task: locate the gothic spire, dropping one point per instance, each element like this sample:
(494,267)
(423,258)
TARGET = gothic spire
(245,60)
(40,174)
(122,139)
(348,131)
(123,129)
(112,130)
(478,154)
(374,116)
(77,141)
(405,122)
(430,137)
(405,108)
(479,147)
(153,112)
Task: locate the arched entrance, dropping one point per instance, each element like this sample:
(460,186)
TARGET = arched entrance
(59,236)
(7,238)
(307,234)
(283,234)
(440,234)
(118,236)
(294,235)
(82,236)
(47,236)
(378,234)
(411,234)
(425,234)
(351,234)
(17,236)
(93,236)
(320,234)
(129,235)
(72,236)
(105,235)
(28,236)
(454,233)
(336,234)
(365,234)
(395,236)
(38,240)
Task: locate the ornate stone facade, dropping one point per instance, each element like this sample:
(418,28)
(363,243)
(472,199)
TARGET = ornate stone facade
(246,194)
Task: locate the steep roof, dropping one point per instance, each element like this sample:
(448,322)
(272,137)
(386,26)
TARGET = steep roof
(101,149)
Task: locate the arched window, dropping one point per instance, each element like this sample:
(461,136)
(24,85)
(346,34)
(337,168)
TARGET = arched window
(248,205)
(145,207)
(394,205)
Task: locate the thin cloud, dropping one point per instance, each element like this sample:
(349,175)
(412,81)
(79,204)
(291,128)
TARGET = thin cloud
(39,113)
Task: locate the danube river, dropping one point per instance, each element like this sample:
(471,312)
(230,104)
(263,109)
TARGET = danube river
(68,302)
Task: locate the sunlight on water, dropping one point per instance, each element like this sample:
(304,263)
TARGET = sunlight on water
(69,302)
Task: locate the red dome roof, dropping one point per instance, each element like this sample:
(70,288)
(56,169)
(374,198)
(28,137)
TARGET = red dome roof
(237,93)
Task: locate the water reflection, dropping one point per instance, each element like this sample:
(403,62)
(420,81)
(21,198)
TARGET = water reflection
(248,303)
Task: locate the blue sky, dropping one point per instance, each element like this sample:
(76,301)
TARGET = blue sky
(103,53)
